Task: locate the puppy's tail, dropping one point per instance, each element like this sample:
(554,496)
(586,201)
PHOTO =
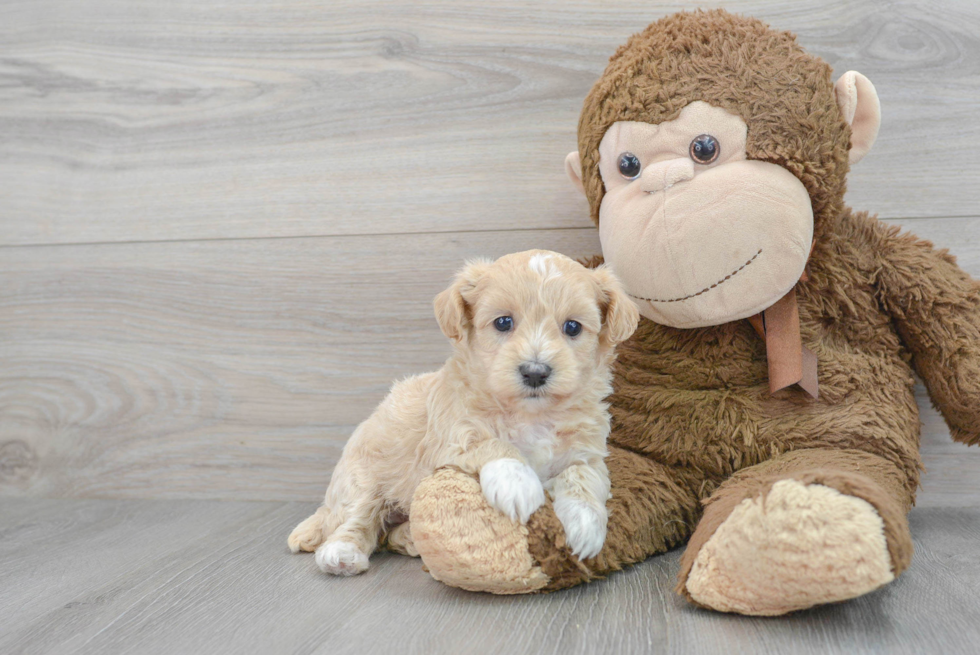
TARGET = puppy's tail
(313,531)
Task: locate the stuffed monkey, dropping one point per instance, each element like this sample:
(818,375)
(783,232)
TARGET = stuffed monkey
(763,412)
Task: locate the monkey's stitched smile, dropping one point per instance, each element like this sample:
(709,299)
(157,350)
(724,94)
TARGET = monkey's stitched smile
(704,290)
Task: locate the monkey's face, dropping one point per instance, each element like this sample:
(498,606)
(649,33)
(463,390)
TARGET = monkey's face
(698,234)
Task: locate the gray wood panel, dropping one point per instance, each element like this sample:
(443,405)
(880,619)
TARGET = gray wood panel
(111,576)
(237,369)
(136,120)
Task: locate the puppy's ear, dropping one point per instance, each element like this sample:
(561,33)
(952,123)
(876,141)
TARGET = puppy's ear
(620,315)
(450,305)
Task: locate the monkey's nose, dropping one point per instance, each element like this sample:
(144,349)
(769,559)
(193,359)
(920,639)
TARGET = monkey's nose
(665,174)
(535,374)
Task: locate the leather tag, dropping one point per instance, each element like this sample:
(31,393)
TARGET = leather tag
(790,362)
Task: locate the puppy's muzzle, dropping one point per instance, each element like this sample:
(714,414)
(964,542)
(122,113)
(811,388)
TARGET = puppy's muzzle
(534,374)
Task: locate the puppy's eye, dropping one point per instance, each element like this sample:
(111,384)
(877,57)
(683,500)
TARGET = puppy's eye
(504,324)
(629,166)
(572,328)
(705,149)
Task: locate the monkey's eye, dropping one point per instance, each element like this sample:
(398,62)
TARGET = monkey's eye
(705,149)
(504,323)
(629,166)
(572,328)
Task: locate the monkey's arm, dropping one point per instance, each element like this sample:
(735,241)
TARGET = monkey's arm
(936,307)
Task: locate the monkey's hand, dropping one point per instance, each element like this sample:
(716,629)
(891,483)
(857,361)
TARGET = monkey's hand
(936,308)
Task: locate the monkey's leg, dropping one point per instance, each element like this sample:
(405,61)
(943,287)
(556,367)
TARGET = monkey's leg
(805,528)
(466,543)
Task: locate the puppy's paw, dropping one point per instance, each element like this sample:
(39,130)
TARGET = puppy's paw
(512,487)
(341,558)
(585,526)
(307,535)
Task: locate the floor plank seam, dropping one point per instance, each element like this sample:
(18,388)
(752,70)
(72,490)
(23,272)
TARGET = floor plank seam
(502,230)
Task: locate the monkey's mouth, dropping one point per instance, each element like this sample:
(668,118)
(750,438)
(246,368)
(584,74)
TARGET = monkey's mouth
(702,291)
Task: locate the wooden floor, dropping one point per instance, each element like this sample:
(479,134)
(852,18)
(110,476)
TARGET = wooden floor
(152,576)
(221,228)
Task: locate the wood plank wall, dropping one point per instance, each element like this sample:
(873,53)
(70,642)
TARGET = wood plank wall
(222,223)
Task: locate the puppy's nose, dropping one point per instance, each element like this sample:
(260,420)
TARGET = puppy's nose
(535,374)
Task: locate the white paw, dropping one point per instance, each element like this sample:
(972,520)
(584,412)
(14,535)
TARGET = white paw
(585,526)
(341,558)
(512,487)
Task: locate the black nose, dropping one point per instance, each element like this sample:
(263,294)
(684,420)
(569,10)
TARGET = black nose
(534,374)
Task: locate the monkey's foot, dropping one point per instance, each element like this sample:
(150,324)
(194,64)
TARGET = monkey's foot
(797,546)
(466,543)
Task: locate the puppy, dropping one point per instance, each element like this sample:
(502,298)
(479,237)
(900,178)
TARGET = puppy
(519,403)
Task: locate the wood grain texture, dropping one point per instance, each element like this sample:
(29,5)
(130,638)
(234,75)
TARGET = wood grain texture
(237,369)
(135,120)
(108,576)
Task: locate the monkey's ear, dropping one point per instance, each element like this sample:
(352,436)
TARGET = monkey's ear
(450,305)
(858,101)
(573,166)
(620,315)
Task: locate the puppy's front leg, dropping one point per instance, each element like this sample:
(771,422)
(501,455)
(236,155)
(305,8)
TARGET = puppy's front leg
(508,483)
(580,493)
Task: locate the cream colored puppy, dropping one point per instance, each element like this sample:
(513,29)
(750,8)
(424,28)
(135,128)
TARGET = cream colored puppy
(520,403)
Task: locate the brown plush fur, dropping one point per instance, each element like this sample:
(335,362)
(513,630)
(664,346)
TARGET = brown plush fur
(693,418)
(652,510)
(877,304)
